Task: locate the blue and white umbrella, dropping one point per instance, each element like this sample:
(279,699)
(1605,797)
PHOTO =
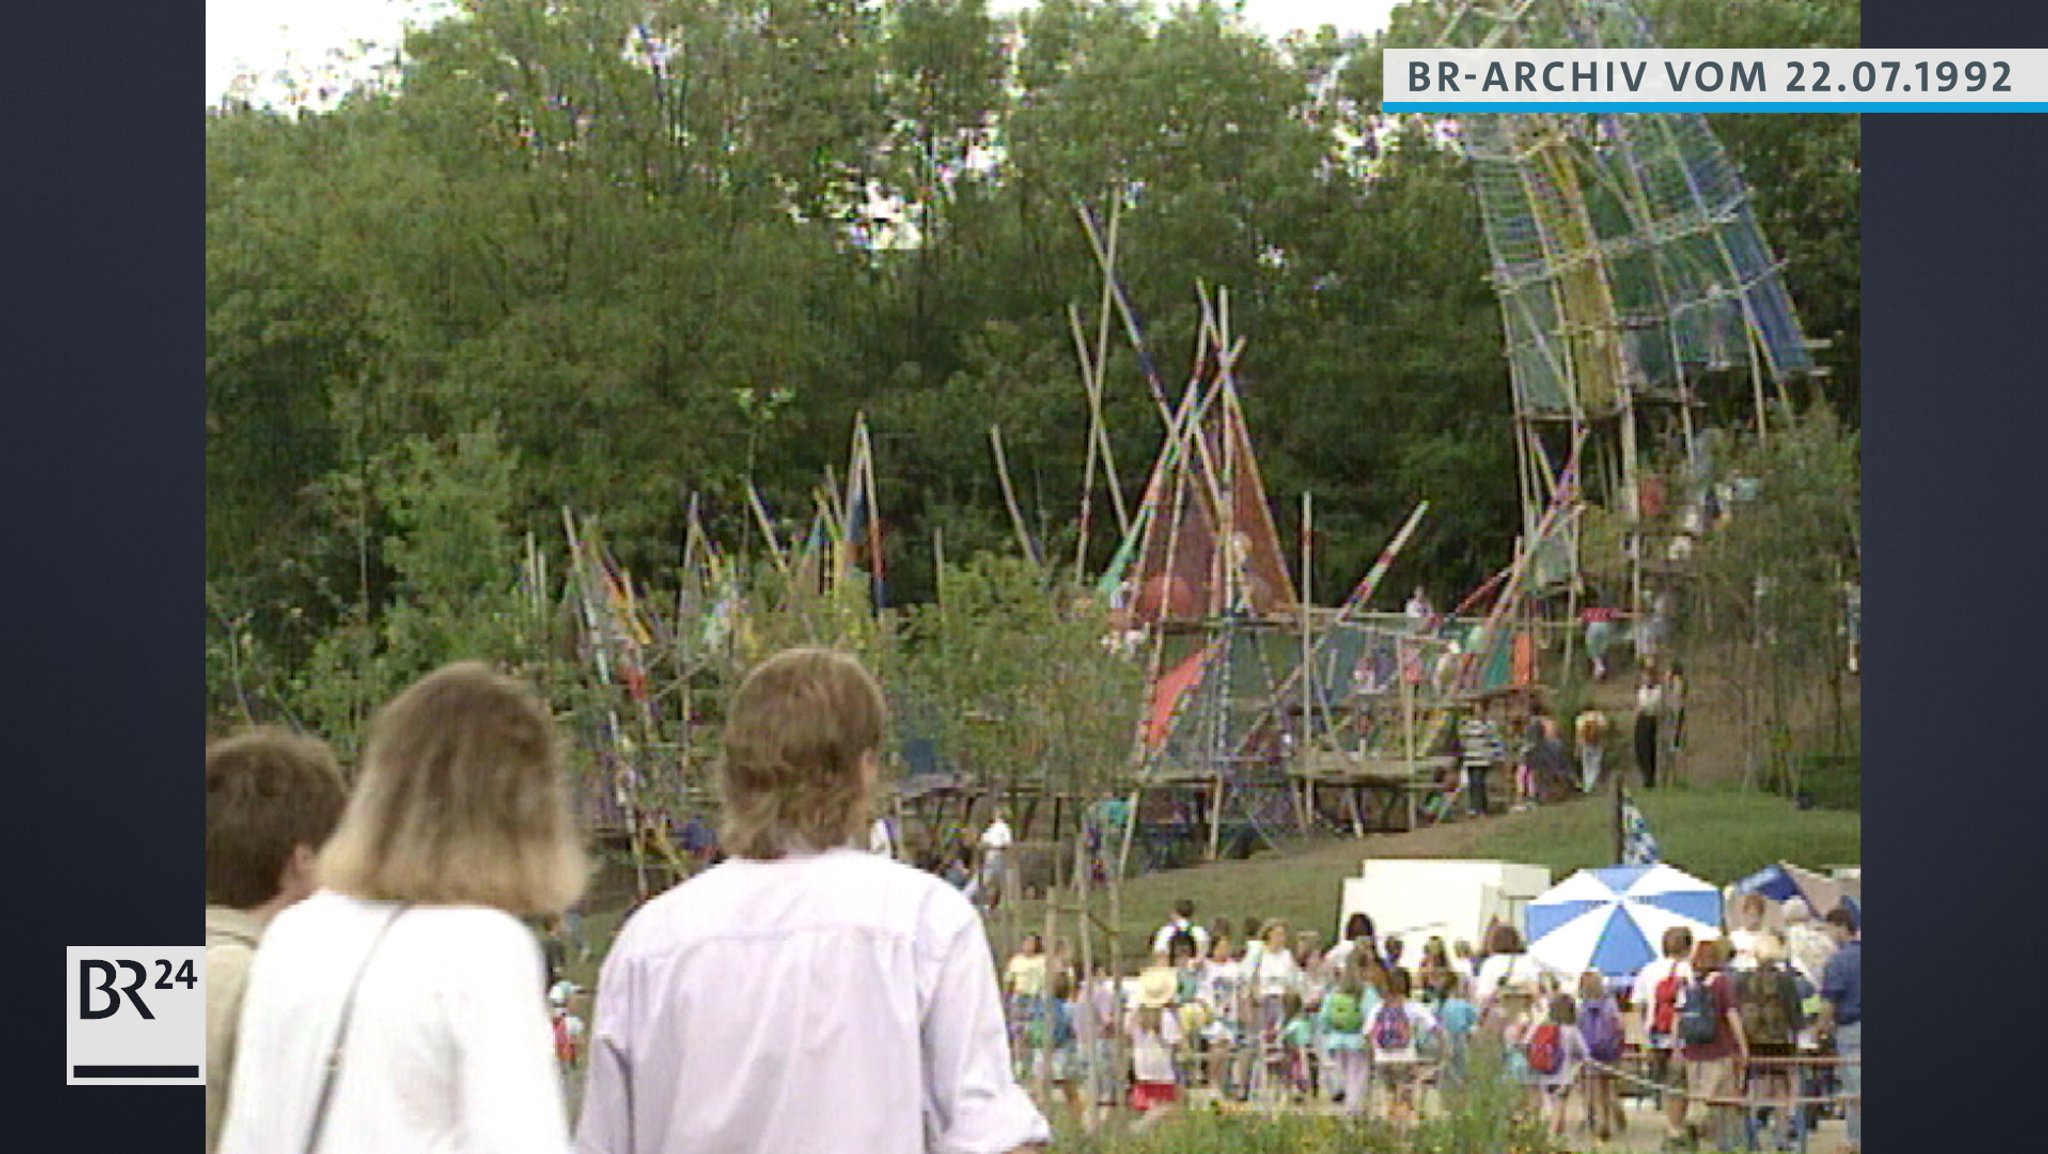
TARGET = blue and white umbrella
(1611,920)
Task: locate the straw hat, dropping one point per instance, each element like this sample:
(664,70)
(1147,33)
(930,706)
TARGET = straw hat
(1157,987)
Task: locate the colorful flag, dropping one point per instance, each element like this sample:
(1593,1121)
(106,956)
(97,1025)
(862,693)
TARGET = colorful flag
(1639,845)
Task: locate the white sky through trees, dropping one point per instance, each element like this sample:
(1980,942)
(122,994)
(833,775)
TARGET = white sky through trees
(265,37)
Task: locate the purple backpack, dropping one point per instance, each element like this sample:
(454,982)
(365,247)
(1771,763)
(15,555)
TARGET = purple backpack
(1600,1025)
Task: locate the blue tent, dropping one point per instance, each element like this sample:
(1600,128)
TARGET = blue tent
(1783,881)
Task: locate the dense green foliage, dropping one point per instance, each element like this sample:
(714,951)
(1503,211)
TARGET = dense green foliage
(635,249)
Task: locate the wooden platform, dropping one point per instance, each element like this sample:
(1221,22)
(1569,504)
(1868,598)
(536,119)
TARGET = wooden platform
(1381,794)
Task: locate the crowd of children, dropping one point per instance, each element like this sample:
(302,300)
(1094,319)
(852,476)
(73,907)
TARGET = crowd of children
(1373,1025)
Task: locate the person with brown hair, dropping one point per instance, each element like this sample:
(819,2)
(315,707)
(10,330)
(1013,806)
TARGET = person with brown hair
(1433,972)
(1713,1047)
(1508,966)
(804,996)
(402,1007)
(1655,996)
(1399,1031)
(272,798)
(1555,1049)
(1746,922)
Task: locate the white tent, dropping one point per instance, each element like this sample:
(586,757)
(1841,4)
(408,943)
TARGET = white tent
(1417,898)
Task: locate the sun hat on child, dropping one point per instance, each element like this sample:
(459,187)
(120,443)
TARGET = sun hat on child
(1157,987)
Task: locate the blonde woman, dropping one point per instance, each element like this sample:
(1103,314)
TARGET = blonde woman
(402,1006)
(1278,973)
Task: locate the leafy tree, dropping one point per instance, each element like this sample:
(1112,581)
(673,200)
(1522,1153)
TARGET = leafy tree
(1025,688)
(1766,588)
(456,593)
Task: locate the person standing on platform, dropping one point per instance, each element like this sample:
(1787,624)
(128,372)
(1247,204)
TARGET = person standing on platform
(1480,747)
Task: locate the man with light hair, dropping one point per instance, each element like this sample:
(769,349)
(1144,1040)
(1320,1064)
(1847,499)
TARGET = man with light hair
(803,997)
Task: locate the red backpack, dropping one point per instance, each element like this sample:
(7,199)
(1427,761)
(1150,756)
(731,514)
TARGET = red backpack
(1664,1005)
(1546,1049)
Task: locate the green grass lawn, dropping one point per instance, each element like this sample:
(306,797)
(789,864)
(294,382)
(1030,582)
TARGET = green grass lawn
(1718,835)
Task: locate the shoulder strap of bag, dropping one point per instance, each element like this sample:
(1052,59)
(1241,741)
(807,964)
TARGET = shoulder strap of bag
(348,1005)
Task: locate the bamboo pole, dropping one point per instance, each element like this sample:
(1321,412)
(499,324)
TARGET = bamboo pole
(1088,470)
(1098,448)
(1132,332)
(767,529)
(1310,684)
(995,438)
(1408,741)
(1101,367)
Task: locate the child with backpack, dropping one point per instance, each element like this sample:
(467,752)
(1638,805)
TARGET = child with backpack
(1343,1017)
(1656,992)
(1556,1052)
(1398,1031)
(1712,1046)
(1056,1045)
(1298,1043)
(1600,1025)
(1459,1019)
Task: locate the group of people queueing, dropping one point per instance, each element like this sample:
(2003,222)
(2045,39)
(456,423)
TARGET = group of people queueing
(1270,1015)
(1369,1025)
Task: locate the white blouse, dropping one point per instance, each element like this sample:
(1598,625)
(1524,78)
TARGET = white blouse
(1278,973)
(449,1050)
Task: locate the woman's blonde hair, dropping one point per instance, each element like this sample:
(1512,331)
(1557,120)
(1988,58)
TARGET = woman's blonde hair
(795,737)
(462,801)
(1768,947)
